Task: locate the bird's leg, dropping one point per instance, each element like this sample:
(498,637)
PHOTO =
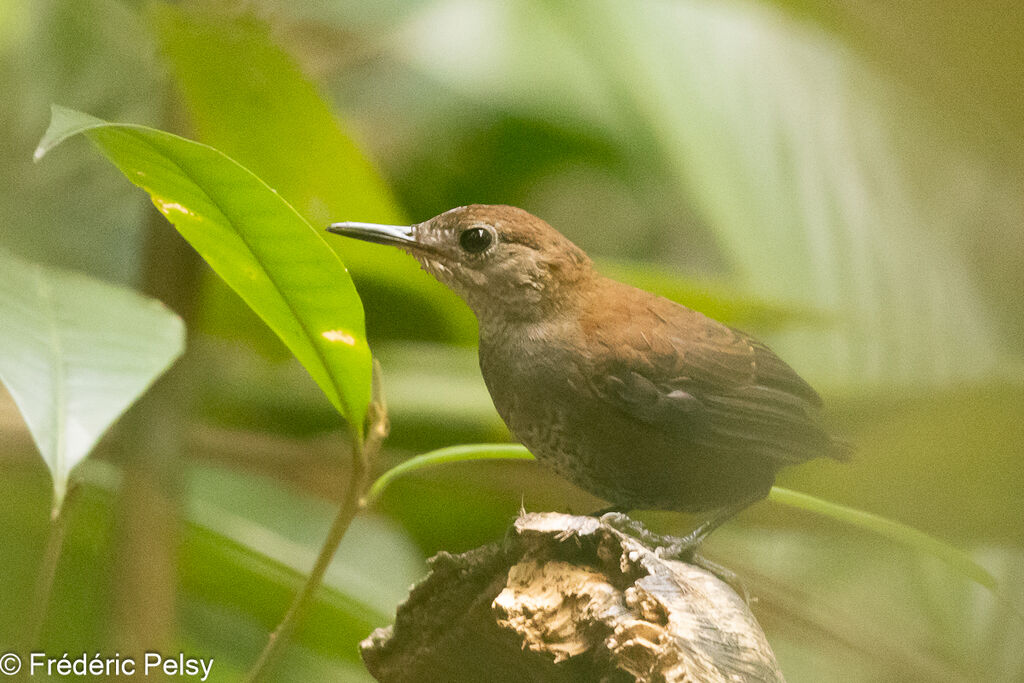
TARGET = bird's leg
(685,548)
(669,547)
(614,516)
(628,526)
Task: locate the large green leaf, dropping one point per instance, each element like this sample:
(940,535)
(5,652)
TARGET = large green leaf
(245,546)
(75,353)
(253,239)
(249,98)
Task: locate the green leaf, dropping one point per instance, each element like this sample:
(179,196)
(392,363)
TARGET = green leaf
(278,263)
(247,97)
(75,353)
(375,562)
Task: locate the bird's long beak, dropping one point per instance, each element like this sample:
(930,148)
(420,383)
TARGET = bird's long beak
(396,235)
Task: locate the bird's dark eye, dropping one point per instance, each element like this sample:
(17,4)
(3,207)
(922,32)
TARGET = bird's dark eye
(475,240)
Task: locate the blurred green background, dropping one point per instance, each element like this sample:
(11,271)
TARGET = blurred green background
(844,180)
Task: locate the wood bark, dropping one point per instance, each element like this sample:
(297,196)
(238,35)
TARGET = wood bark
(570,598)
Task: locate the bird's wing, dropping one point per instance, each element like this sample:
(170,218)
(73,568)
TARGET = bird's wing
(716,387)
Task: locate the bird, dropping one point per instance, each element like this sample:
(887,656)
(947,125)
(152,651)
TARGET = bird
(637,399)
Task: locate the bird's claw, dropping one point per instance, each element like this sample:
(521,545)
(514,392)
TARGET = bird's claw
(637,531)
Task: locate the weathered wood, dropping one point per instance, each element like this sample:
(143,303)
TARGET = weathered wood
(567,598)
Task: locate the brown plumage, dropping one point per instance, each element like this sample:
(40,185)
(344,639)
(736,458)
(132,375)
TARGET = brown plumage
(639,400)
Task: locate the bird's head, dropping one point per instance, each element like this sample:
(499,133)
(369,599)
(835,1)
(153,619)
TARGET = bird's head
(500,260)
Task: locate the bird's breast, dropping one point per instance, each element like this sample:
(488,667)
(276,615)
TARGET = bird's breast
(529,371)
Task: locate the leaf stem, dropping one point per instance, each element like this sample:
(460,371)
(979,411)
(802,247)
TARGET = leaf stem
(352,502)
(887,528)
(443,456)
(39,606)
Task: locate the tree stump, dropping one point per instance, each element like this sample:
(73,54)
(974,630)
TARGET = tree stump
(570,598)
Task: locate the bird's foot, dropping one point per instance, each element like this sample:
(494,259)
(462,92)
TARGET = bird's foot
(615,519)
(669,547)
(683,549)
(637,531)
(674,548)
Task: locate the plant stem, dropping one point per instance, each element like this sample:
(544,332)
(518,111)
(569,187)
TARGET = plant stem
(897,532)
(350,506)
(445,456)
(47,571)
(352,503)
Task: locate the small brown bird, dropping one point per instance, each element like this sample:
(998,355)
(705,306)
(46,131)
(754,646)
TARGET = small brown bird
(639,400)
